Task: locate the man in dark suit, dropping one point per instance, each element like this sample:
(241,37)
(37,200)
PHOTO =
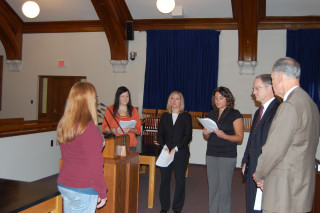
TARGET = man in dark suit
(285,169)
(263,92)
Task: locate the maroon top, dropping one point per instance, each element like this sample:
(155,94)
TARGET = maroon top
(82,165)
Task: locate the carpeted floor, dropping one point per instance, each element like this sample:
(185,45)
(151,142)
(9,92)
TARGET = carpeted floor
(196,191)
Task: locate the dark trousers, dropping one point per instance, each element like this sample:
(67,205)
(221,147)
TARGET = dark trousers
(179,166)
(251,190)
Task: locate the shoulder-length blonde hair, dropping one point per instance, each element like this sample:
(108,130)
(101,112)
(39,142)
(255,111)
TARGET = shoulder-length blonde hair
(80,109)
(169,107)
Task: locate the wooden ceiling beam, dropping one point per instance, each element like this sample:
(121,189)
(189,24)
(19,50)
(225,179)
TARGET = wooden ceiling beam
(62,27)
(10,32)
(248,13)
(191,23)
(290,22)
(113,15)
(268,23)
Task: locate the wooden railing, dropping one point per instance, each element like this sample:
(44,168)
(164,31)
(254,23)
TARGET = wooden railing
(6,121)
(13,127)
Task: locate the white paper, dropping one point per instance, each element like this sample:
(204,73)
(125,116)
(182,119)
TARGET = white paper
(131,124)
(165,158)
(208,123)
(258,201)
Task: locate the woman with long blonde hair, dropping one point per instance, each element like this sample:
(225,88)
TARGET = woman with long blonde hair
(81,181)
(174,135)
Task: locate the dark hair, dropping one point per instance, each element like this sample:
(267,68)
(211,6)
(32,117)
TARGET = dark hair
(266,79)
(120,91)
(225,92)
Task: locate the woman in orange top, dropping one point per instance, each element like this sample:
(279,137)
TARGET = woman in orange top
(122,110)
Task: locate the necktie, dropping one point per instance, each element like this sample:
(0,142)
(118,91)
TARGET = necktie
(255,127)
(259,118)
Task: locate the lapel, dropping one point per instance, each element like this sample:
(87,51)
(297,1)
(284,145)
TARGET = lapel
(268,111)
(178,118)
(170,120)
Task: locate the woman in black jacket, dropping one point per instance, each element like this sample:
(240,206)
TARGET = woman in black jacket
(174,135)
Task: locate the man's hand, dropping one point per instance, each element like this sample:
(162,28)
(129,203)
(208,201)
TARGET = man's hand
(259,183)
(243,168)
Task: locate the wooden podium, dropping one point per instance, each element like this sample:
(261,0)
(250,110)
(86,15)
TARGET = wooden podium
(121,175)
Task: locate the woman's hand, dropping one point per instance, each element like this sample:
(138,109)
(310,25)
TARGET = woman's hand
(101,202)
(172,151)
(167,150)
(220,133)
(133,130)
(125,130)
(206,132)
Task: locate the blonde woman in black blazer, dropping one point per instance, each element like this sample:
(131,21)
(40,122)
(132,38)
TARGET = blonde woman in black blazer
(174,135)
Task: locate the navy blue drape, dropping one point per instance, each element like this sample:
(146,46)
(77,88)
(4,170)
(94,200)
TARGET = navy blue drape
(304,46)
(182,60)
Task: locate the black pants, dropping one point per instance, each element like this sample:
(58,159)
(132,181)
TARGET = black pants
(179,166)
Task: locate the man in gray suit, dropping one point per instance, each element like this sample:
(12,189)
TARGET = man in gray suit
(285,170)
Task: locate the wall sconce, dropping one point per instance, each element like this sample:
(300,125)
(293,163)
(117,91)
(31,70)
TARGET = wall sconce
(247,67)
(30,9)
(165,6)
(133,55)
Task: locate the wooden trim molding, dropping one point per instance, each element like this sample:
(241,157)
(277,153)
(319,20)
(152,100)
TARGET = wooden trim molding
(62,27)
(191,23)
(290,22)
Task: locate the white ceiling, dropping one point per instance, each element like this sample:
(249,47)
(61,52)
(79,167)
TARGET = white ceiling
(71,10)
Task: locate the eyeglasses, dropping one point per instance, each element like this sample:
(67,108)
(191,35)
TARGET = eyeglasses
(257,88)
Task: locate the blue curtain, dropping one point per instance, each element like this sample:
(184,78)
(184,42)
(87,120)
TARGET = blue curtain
(304,46)
(182,60)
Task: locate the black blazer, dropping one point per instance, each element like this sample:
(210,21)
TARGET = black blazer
(179,134)
(259,138)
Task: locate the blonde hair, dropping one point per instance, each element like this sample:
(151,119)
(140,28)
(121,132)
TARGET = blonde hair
(80,109)
(169,107)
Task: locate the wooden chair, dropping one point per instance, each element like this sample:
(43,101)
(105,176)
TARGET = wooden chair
(149,112)
(195,115)
(205,114)
(151,123)
(247,121)
(160,112)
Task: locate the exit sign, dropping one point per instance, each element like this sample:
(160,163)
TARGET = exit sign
(61,63)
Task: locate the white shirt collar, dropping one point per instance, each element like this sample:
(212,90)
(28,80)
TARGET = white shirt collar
(288,93)
(266,105)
